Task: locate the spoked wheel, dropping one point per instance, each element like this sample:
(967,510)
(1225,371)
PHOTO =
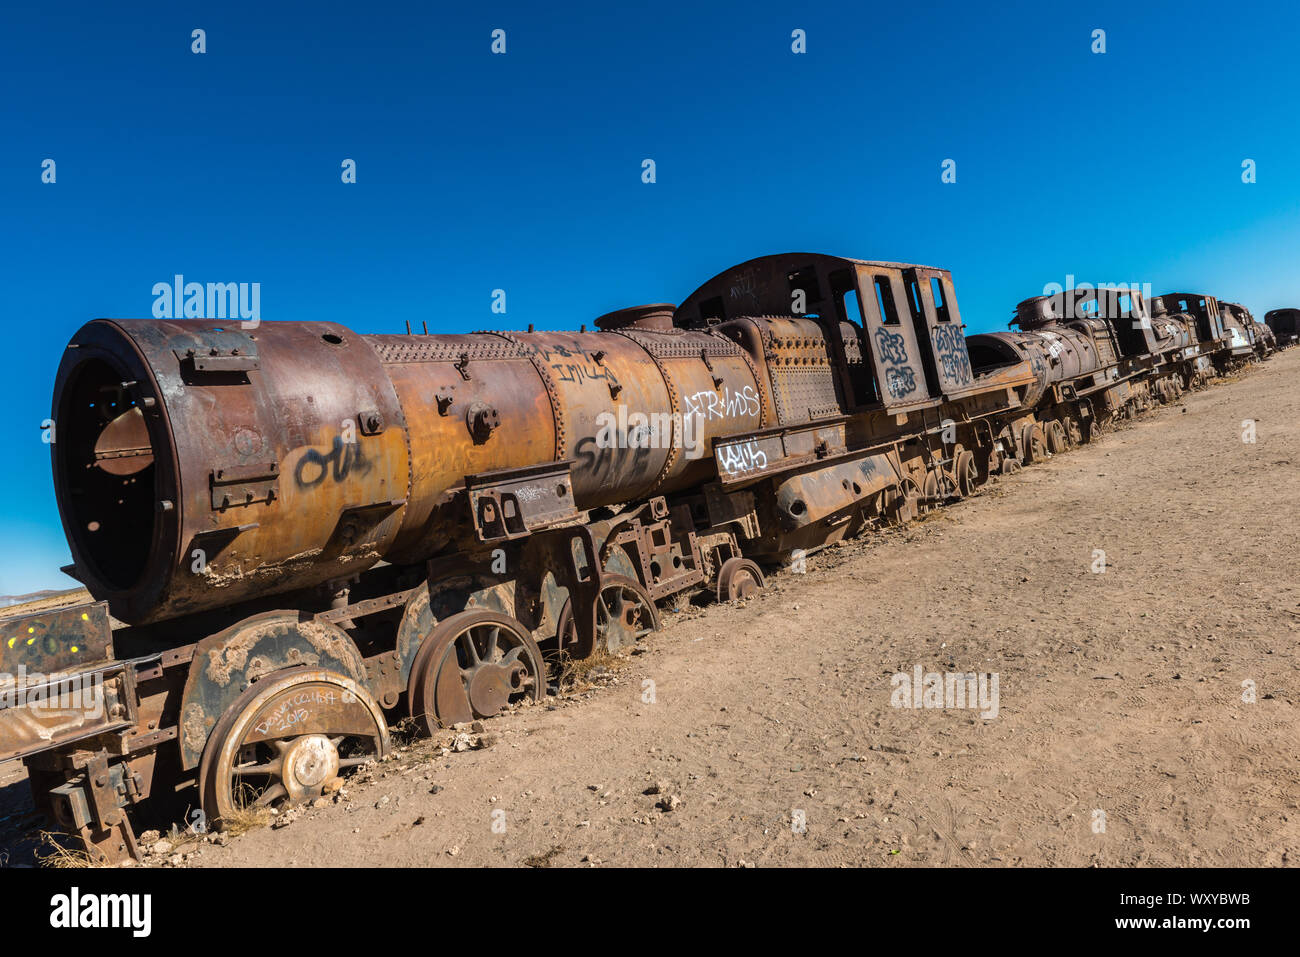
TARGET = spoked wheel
(1057,442)
(624,615)
(1034,443)
(966,472)
(739,578)
(286,739)
(473,665)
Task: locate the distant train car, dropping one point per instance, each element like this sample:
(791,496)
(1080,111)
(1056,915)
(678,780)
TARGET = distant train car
(1098,347)
(1202,315)
(1241,317)
(1285,324)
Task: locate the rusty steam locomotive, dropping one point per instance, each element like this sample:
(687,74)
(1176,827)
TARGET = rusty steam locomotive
(296,535)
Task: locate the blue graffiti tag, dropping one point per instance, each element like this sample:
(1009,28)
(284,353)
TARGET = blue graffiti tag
(893,348)
(950,347)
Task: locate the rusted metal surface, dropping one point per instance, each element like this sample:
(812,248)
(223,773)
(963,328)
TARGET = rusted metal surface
(227,663)
(270,470)
(739,578)
(286,739)
(305,527)
(61,640)
(58,683)
(474,665)
(1240,326)
(335,451)
(900,323)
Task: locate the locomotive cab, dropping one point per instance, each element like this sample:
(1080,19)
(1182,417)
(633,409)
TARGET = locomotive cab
(893,332)
(1204,310)
(1125,309)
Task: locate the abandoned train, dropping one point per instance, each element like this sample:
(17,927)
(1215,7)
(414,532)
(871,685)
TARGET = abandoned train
(303,535)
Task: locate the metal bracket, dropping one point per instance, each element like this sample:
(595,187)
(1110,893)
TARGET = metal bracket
(217,350)
(236,485)
(512,503)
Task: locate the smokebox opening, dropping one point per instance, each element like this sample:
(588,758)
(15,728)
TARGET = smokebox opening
(104,452)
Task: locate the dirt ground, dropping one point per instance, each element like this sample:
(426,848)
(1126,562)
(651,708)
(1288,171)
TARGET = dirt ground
(1122,735)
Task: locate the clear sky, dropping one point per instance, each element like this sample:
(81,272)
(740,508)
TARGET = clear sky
(523,171)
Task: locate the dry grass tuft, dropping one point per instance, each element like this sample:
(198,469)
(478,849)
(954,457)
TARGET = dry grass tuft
(245,819)
(579,674)
(54,853)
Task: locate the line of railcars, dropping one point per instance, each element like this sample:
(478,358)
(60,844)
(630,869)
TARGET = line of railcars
(297,537)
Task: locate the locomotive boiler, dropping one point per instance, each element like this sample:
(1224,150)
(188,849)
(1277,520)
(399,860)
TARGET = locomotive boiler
(199,466)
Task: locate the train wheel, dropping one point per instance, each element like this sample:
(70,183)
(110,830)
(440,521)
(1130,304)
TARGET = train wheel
(967,473)
(473,665)
(1074,432)
(930,493)
(624,615)
(1056,438)
(739,578)
(286,739)
(1034,443)
(902,503)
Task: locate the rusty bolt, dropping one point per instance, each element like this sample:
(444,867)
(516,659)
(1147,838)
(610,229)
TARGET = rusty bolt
(482,420)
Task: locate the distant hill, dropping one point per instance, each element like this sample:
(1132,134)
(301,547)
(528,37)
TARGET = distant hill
(49,596)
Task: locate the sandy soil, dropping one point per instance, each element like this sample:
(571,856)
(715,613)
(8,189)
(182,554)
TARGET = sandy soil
(1120,693)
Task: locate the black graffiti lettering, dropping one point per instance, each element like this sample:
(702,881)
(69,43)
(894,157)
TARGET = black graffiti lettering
(340,462)
(613,464)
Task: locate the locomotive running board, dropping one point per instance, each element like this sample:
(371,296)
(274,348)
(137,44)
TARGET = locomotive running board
(743,459)
(513,503)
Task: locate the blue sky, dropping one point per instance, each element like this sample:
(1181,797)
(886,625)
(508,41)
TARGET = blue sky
(523,172)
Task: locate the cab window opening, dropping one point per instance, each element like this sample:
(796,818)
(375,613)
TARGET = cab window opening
(940,303)
(885,299)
